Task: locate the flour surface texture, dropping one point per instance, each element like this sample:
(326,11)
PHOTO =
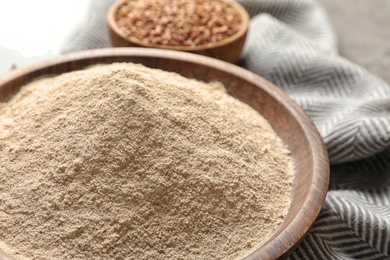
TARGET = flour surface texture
(121,161)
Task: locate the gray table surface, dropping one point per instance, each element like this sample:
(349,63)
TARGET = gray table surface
(363,30)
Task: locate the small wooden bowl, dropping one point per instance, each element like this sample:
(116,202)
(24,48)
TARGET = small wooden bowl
(289,121)
(227,50)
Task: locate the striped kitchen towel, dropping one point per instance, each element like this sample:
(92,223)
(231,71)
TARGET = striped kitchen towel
(291,43)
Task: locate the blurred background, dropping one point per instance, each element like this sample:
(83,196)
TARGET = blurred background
(35,30)
(363,30)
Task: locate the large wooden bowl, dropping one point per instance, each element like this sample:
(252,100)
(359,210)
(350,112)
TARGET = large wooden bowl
(286,117)
(227,50)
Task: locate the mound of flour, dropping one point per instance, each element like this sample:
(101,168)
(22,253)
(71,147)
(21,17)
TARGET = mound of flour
(122,161)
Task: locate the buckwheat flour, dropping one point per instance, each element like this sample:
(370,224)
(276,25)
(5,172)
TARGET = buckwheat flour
(125,162)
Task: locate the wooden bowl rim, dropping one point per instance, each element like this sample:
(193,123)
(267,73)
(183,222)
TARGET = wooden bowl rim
(320,170)
(241,32)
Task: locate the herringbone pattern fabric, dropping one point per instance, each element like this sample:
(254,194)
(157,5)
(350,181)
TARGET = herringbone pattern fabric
(292,44)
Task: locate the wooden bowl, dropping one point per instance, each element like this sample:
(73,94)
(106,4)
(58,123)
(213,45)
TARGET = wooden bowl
(227,50)
(289,121)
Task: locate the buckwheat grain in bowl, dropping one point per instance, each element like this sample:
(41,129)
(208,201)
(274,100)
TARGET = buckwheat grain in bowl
(215,28)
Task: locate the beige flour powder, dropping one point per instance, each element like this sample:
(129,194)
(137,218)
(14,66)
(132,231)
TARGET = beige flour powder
(125,162)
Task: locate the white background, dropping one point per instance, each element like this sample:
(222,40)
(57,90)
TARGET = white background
(32,30)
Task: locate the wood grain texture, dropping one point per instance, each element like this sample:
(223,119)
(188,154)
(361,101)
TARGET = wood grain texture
(227,50)
(285,116)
